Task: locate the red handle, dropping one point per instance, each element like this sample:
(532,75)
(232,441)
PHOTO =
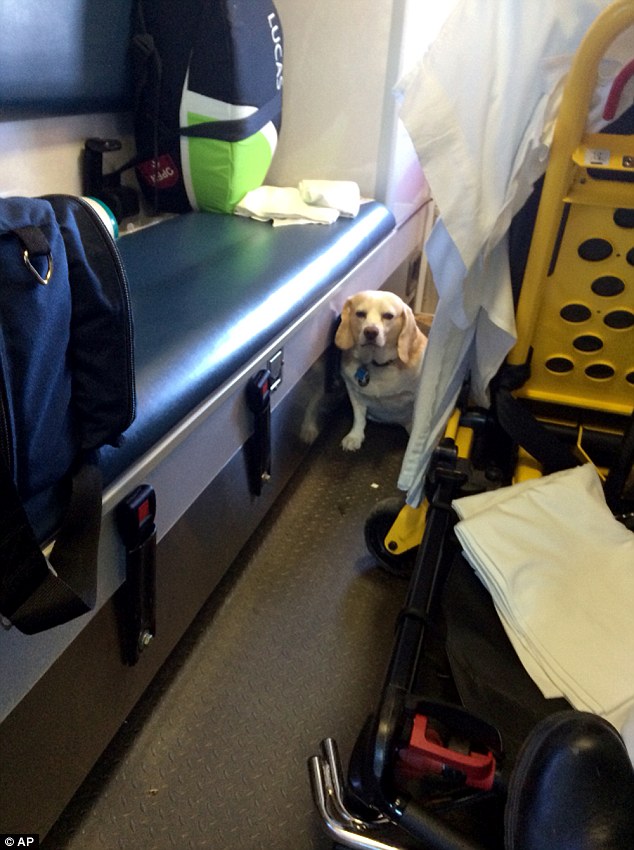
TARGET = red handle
(426,754)
(616,91)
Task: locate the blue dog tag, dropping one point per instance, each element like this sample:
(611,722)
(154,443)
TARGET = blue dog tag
(363,376)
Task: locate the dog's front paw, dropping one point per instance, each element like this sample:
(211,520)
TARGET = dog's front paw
(309,432)
(352,442)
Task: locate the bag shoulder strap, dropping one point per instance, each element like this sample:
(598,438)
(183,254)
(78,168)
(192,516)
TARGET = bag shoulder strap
(36,592)
(236,129)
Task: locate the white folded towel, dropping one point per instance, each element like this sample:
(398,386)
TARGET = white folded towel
(313,202)
(341,195)
(283,205)
(560,570)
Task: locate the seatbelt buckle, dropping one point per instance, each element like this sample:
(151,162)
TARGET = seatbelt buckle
(136,515)
(258,394)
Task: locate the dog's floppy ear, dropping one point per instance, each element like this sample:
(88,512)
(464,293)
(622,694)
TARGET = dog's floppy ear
(411,339)
(344,338)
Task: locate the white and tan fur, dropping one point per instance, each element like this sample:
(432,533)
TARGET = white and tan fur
(383,348)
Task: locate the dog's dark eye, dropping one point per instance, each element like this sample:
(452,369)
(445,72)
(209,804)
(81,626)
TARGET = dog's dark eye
(361,314)
(388,316)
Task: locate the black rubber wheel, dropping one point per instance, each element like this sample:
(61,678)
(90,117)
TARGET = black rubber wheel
(377,525)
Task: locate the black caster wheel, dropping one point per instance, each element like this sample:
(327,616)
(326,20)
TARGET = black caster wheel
(377,525)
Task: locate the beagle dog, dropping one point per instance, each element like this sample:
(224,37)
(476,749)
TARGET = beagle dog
(382,347)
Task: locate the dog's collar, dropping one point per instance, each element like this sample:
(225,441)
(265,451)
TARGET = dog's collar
(362,375)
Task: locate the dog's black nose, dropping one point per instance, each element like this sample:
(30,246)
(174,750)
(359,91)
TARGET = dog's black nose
(370,333)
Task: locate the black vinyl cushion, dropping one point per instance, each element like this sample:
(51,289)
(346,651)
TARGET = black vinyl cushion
(572,788)
(65,58)
(209,292)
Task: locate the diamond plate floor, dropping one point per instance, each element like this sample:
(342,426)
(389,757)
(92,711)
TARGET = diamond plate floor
(292,648)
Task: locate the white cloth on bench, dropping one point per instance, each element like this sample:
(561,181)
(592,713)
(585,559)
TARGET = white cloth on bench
(311,202)
(560,570)
(281,204)
(341,195)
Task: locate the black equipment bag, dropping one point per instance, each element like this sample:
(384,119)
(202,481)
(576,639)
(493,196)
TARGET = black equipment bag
(66,389)
(208,81)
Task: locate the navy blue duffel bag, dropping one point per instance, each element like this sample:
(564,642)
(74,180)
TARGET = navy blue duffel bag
(66,389)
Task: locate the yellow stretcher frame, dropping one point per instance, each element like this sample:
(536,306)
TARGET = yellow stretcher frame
(567,186)
(555,273)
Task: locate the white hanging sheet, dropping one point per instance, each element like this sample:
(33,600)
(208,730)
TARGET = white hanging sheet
(480,109)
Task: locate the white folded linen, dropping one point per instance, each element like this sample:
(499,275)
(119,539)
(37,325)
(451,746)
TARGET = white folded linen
(341,195)
(283,204)
(560,570)
(312,202)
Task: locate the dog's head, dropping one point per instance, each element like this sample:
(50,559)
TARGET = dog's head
(379,324)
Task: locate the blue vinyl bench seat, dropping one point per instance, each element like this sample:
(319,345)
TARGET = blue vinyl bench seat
(210,291)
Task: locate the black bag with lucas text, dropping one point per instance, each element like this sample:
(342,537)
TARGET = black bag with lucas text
(208,80)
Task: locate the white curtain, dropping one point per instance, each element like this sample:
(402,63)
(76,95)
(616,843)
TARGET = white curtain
(480,108)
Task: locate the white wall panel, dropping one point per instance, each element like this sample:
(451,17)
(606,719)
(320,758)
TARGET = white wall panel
(335,64)
(43,155)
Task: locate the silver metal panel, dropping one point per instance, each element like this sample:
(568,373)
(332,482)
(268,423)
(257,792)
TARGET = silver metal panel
(292,646)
